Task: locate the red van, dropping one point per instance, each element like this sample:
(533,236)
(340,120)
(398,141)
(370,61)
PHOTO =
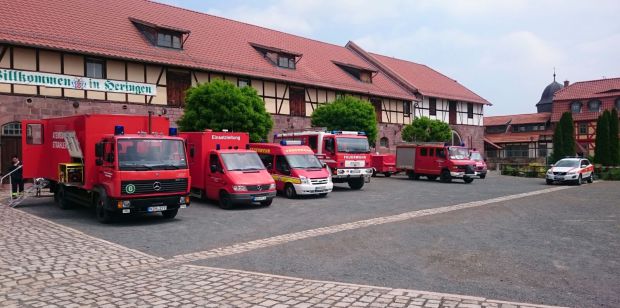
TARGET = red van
(223,169)
(481,164)
(295,168)
(434,160)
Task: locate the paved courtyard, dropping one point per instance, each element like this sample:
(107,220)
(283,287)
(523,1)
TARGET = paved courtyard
(397,243)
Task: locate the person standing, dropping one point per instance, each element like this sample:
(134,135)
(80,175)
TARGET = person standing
(17,181)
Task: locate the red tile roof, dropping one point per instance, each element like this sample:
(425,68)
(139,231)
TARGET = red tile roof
(421,78)
(528,118)
(511,137)
(103,27)
(589,89)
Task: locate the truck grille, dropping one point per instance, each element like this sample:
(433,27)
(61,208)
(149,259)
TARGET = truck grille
(318,181)
(469,169)
(151,186)
(258,187)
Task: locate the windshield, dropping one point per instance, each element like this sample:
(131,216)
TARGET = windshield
(303,161)
(458,153)
(242,161)
(353,145)
(151,154)
(476,156)
(567,163)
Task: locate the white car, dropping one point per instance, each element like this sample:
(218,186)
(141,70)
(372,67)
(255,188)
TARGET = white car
(573,170)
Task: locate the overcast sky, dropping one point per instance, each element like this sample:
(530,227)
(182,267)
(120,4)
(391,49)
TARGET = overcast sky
(505,51)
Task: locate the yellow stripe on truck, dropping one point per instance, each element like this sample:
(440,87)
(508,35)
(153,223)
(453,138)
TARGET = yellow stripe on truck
(286,179)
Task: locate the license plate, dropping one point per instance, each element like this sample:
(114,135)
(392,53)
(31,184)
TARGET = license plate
(157,208)
(559,178)
(355,171)
(262,198)
(319,188)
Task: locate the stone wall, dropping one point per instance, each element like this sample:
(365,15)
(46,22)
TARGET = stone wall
(472,133)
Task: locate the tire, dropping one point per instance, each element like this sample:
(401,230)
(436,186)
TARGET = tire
(60,196)
(387,174)
(591,178)
(374,173)
(289,191)
(431,177)
(549,182)
(468,180)
(170,214)
(445,176)
(225,201)
(323,195)
(356,184)
(266,202)
(482,176)
(579,180)
(104,215)
(410,175)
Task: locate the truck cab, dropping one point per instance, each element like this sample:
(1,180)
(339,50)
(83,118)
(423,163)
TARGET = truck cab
(295,168)
(227,171)
(434,160)
(347,153)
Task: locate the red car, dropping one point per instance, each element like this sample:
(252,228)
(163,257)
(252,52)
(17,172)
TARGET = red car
(481,165)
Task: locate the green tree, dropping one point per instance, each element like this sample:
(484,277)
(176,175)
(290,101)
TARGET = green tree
(558,148)
(347,113)
(614,142)
(568,134)
(423,129)
(221,105)
(602,145)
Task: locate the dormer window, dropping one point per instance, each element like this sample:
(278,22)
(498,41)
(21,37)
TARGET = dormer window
(575,107)
(279,57)
(162,35)
(594,105)
(363,74)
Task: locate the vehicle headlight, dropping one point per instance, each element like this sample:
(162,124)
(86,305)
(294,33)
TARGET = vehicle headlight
(572,172)
(240,188)
(304,180)
(340,171)
(126,203)
(272,186)
(549,171)
(182,200)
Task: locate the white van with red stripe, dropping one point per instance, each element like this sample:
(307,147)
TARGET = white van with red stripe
(572,170)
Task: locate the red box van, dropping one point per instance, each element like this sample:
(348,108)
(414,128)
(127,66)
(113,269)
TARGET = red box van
(223,169)
(384,164)
(435,160)
(295,168)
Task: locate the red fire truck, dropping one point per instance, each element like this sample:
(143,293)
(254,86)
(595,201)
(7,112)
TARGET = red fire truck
(345,152)
(110,162)
(223,169)
(295,168)
(384,164)
(434,160)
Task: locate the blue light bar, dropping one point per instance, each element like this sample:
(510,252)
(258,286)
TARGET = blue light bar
(119,130)
(291,142)
(172,131)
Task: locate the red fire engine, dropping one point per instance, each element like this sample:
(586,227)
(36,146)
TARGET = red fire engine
(346,153)
(223,169)
(435,160)
(109,162)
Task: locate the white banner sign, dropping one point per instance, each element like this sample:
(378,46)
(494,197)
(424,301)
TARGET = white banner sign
(75,82)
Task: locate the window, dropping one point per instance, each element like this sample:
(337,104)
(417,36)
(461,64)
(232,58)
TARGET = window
(169,39)
(286,61)
(363,74)
(470,110)
(407,108)
(583,128)
(618,103)
(329,145)
(12,129)
(432,106)
(282,164)
(575,107)
(423,151)
(267,160)
(215,161)
(95,68)
(384,142)
(242,82)
(431,152)
(440,153)
(34,134)
(594,106)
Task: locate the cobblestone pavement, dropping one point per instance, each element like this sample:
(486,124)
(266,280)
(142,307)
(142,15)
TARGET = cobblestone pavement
(46,264)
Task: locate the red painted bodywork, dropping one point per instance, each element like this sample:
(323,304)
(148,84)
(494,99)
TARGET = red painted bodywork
(200,147)
(42,160)
(481,165)
(383,163)
(431,165)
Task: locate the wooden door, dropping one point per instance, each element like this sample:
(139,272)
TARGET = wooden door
(177,82)
(378,109)
(10,145)
(452,112)
(298,102)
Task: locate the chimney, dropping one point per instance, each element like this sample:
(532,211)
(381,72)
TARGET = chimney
(566,83)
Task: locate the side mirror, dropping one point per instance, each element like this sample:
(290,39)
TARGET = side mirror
(551,165)
(99,149)
(213,168)
(191,152)
(324,165)
(99,162)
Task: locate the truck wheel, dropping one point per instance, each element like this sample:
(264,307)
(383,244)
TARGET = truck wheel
(266,202)
(549,182)
(445,176)
(410,175)
(60,196)
(169,214)
(356,184)
(103,215)
(289,191)
(579,180)
(387,174)
(590,178)
(468,179)
(374,173)
(225,201)
(431,177)
(322,195)
(483,175)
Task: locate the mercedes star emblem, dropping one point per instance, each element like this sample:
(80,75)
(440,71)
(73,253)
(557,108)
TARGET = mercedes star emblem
(156,186)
